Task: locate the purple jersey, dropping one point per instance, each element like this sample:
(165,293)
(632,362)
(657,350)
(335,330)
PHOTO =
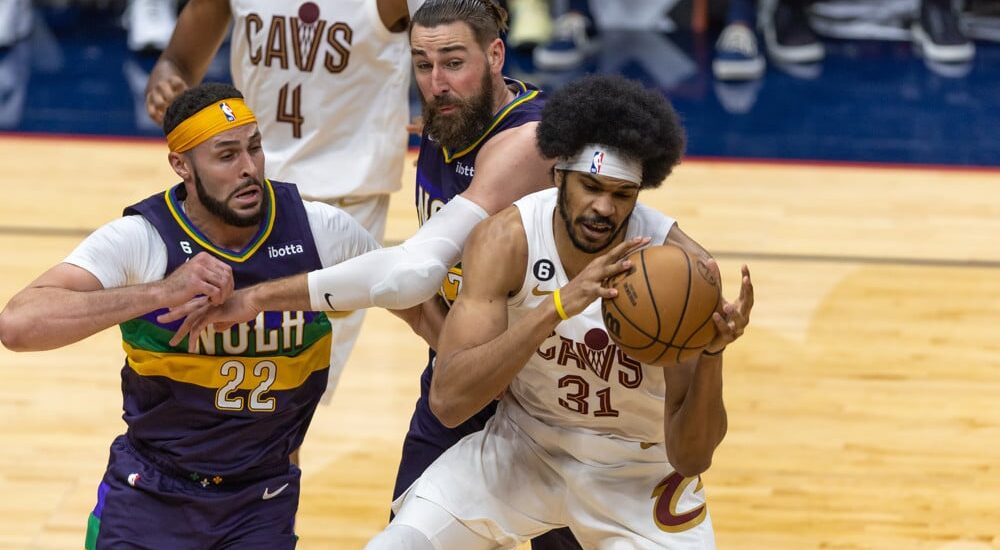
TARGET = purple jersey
(243,402)
(442,174)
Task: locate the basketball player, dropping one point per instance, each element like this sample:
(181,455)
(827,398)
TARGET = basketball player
(478,154)
(329,80)
(204,462)
(584,436)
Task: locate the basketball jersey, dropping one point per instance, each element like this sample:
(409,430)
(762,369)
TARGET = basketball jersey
(578,378)
(442,174)
(242,403)
(329,86)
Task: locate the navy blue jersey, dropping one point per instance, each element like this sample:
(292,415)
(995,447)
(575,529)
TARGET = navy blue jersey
(243,402)
(442,174)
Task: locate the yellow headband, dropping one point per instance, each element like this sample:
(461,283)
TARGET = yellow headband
(217,117)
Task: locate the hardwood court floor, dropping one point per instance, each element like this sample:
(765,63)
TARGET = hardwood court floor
(862,402)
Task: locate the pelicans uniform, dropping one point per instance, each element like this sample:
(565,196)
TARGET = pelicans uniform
(441,175)
(578,439)
(329,85)
(204,461)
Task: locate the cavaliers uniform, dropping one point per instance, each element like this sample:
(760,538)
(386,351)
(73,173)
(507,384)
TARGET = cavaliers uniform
(204,461)
(329,85)
(441,175)
(578,439)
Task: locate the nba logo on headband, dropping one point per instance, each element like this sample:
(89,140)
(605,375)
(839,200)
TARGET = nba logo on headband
(228,111)
(597,162)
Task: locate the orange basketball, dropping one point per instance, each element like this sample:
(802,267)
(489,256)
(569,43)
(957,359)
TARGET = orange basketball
(663,312)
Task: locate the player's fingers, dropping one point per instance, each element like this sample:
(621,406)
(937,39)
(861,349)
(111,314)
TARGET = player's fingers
(608,271)
(184,330)
(746,292)
(623,249)
(176,84)
(721,325)
(197,328)
(182,310)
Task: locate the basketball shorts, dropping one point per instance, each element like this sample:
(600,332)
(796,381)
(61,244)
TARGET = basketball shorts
(140,506)
(428,438)
(519,478)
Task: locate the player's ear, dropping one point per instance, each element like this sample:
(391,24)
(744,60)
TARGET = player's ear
(180,165)
(496,55)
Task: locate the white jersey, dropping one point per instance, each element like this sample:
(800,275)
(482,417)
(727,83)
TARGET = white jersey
(578,378)
(130,251)
(329,86)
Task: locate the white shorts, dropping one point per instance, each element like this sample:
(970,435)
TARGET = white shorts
(519,478)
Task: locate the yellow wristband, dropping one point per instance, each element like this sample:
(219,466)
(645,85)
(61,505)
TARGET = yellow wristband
(559,308)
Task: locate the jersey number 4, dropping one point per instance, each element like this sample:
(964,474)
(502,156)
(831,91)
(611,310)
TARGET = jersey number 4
(290,108)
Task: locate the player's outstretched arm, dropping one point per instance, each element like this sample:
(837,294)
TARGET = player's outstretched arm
(200,30)
(695,419)
(67,303)
(478,354)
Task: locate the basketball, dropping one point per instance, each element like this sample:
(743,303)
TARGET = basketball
(663,312)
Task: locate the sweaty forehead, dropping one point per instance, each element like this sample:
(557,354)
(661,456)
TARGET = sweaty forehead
(442,38)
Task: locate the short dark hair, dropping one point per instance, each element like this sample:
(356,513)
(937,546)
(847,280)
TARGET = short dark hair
(192,100)
(487,18)
(618,113)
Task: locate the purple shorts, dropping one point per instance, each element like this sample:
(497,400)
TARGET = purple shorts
(141,506)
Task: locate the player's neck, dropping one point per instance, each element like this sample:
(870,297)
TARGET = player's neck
(502,96)
(218,232)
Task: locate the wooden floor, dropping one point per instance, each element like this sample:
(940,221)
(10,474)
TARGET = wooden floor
(864,402)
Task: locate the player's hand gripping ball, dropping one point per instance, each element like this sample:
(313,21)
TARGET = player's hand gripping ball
(663,312)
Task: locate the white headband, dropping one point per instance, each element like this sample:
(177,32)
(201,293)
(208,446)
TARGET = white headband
(604,161)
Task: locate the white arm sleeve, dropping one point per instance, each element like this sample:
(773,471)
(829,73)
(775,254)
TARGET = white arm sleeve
(400,276)
(125,251)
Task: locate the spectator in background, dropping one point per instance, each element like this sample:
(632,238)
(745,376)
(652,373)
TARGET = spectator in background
(788,38)
(149,24)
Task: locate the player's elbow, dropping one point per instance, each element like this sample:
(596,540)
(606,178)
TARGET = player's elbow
(13,334)
(444,410)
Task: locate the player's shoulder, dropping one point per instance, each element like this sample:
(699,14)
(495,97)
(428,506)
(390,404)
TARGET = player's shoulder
(511,144)
(321,212)
(130,226)
(501,231)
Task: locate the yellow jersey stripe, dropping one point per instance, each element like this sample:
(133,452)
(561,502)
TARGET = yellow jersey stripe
(448,157)
(238,257)
(206,370)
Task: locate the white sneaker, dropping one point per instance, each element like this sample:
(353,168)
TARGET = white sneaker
(150,23)
(15,21)
(737,56)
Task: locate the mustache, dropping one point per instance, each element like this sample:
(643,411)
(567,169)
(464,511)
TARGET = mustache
(246,184)
(596,220)
(445,101)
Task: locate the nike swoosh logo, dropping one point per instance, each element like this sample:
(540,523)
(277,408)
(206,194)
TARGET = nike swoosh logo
(327,296)
(269,495)
(537,292)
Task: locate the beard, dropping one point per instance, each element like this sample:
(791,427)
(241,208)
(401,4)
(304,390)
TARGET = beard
(221,210)
(586,246)
(466,123)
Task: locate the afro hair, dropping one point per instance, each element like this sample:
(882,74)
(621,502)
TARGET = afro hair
(192,100)
(617,113)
